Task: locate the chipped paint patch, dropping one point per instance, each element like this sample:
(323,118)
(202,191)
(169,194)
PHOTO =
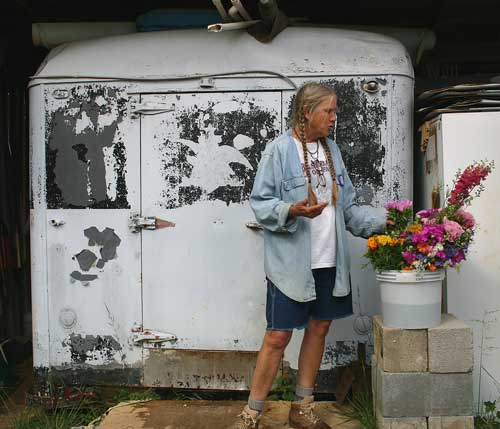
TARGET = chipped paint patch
(77,275)
(81,135)
(86,259)
(92,348)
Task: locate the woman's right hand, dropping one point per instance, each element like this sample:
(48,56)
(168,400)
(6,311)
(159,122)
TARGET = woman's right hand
(302,208)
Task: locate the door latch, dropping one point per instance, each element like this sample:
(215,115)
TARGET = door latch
(138,222)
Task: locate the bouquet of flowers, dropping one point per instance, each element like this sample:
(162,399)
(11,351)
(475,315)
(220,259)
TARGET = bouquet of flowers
(434,238)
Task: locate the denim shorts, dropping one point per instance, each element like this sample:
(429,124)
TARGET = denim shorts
(285,314)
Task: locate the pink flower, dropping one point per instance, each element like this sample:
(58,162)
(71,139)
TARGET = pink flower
(466,218)
(400,205)
(428,213)
(452,228)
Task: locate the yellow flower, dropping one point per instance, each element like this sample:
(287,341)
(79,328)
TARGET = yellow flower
(416,227)
(383,239)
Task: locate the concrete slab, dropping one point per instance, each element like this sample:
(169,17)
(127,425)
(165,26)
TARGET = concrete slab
(209,415)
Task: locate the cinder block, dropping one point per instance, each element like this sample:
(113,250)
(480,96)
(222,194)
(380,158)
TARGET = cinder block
(403,394)
(450,346)
(451,394)
(401,423)
(451,422)
(400,350)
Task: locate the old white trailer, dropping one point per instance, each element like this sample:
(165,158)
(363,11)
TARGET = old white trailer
(165,129)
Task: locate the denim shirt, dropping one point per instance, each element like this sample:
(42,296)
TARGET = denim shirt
(278,184)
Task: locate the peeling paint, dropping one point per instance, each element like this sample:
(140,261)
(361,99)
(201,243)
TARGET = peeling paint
(340,353)
(77,135)
(92,348)
(223,137)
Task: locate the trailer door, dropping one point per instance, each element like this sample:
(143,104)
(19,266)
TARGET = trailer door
(203,280)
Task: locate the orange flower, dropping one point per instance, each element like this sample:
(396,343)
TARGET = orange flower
(407,268)
(372,243)
(423,248)
(432,267)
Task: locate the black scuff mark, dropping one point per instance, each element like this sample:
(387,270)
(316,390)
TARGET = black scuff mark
(92,348)
(75,175)
(86,259)
(77,275)
(239,165)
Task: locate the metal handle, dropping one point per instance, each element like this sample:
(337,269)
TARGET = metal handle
(254,225)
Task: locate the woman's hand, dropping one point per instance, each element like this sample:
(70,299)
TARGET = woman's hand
(303,209)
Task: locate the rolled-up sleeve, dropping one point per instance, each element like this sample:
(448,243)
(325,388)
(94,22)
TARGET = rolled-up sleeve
(269,209)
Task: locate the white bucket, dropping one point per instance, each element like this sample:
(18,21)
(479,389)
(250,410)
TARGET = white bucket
(411,299)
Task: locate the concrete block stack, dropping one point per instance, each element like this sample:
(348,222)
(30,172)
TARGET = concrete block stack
(422,378)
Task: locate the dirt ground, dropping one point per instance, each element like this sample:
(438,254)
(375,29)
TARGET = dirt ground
(209,415)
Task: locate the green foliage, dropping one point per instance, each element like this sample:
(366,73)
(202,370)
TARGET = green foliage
(36,418)
(489,417)
(360,408)
(125,395)
(283,389)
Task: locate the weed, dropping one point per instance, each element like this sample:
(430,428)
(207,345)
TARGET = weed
(489,417)
(37,418)
(283,389)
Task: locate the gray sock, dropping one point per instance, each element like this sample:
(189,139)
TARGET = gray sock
(301,392)
(256,405)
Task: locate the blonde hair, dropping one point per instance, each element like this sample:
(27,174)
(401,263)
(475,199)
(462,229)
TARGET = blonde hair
(308,98)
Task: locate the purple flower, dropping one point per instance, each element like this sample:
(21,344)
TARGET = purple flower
(400,205)
(409,257)
(431,234)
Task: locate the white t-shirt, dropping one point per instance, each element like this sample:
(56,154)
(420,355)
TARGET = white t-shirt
(323,237)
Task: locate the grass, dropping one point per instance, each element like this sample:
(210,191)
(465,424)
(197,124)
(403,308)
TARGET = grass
(66,418)
(360,408)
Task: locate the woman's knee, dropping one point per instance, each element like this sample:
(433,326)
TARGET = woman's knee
(277,340)
(319,328)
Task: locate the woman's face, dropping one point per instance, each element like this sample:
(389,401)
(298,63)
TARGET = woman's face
(320,122)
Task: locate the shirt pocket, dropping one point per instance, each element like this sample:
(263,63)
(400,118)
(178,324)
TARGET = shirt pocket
(294,189)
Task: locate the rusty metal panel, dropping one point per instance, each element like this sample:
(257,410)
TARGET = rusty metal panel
(199,369)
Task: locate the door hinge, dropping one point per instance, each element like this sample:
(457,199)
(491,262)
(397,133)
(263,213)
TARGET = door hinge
(138,222)
(149,338)
(149,108)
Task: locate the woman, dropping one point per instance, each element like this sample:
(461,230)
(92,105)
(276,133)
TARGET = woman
(304,199)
